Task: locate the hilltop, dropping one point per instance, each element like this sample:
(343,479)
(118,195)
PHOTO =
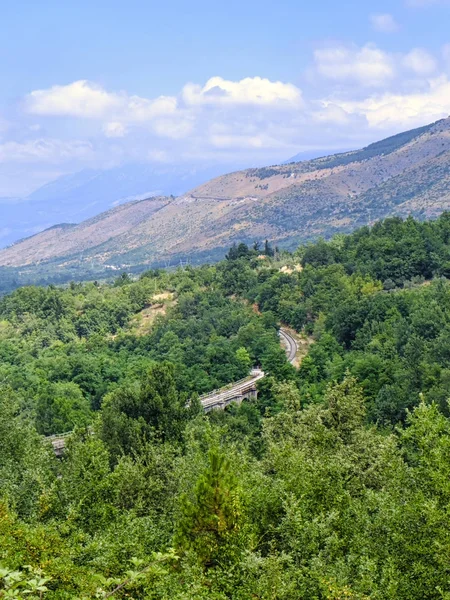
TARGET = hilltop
(408,173)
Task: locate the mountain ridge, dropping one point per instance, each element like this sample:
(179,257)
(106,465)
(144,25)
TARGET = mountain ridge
(408,173)
(80,196)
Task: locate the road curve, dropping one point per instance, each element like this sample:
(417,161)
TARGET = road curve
(215,397)
(290,344)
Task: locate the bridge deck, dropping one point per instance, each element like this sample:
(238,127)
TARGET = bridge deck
(216,397)
(239,388)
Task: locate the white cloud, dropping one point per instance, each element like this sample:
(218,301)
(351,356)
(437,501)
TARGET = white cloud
(87,100)
(367,66)
(45,150)
(114,129)
(247,134)
(370,93)
(330,112)
(175,128)
(221,113)
(83,99)
(251,90)
(232,141)
(395,110)
(384,23)
(420,62)
(142,109)
(78,99)
(166,116)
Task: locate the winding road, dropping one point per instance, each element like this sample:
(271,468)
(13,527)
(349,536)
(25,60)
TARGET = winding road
(217,398)
(238,390)
(290,344)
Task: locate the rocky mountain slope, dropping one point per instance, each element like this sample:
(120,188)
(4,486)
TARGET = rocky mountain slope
(85,194)
(406,174)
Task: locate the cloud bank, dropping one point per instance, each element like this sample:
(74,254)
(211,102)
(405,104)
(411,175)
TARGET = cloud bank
(351,95)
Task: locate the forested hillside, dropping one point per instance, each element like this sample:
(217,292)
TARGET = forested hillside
(333,484)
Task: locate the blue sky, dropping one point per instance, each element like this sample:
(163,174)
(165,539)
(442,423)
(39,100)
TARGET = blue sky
(97,84)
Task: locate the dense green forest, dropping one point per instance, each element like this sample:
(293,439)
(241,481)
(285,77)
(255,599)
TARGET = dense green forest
(333,484)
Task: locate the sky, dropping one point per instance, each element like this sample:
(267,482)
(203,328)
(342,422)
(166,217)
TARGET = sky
(96,84)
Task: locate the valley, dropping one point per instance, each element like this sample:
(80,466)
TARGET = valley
(291,203)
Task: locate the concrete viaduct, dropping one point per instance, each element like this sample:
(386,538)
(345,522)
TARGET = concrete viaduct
(217,399)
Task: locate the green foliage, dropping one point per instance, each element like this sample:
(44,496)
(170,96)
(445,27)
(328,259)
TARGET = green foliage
(262,173)
(333,484)
(386,146)
(211,520)
(61,407)
(22,584)
(154,411)
(25,462)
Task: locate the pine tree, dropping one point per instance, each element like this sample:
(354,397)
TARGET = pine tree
(210,519)
(268,251)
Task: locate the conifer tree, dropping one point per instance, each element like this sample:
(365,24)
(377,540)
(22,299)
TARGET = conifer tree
(211,518)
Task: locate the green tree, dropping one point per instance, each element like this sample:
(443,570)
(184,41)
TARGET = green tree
(61,407)
(244,358)
(26,462)
(211,517)
(135,414)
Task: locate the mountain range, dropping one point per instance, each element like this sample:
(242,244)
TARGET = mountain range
(76,197)
(408,173)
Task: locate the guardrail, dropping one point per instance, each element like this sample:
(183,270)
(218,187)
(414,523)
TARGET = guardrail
(58,436)
(207,400)
(254,376)
(62,436)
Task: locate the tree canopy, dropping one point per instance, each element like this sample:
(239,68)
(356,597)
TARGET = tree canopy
(332,484)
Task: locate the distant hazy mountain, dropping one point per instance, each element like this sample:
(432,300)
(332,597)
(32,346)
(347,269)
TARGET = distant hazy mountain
(74,198)
(405,174)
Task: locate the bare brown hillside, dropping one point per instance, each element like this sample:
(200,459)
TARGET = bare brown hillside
(405,174)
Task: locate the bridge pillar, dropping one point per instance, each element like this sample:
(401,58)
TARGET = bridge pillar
(252,395)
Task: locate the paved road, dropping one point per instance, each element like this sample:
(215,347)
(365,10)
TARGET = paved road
(240,387)
(217,396)
(290,344)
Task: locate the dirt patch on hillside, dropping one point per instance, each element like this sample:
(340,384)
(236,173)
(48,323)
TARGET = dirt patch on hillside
(141,323)
(291,269)
(163,296)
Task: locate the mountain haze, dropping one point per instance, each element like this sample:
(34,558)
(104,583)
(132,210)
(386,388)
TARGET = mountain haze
(79,196)
(405,174)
